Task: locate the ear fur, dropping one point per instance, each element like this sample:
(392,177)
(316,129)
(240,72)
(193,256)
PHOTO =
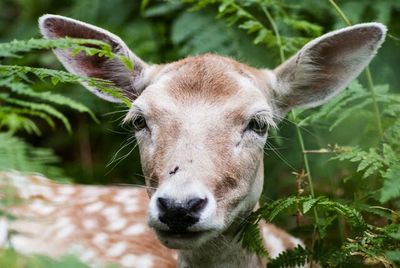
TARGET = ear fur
(326,65)
(54,26)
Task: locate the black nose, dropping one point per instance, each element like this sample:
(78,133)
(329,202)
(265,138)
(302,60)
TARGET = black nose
(179,216)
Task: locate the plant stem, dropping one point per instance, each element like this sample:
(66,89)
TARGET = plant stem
(293,114)
(367,74)
(298,130)
(340,12)
(276,31)
(376,106)
(305,157)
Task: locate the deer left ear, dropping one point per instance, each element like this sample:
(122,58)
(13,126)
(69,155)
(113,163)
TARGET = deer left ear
(326,65)
(131,82)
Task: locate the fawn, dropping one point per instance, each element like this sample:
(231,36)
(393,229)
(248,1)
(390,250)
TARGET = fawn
(201,124)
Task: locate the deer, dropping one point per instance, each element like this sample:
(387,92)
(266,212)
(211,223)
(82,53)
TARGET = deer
(201,124)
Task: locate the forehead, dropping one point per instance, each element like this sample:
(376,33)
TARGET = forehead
(206,82)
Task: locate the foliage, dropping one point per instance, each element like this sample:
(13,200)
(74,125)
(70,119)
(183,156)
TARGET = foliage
(10,258)
(18,155)
(21,103)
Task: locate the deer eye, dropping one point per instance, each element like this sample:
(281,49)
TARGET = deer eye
(139,123)
(258,126)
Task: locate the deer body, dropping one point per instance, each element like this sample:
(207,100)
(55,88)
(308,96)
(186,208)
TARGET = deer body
(201,124)
(104,225)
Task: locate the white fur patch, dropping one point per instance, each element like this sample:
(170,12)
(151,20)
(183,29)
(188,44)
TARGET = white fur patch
(95,207)
(111,212)
(275,244)
(65,232)
(117,224)
(117,249)
(89,224)
(41,208)
(3,232)
(62,222)
(66,190)
(100,239)
(137,261)
(135,229)
(131,207)
(124,196)
(87,255)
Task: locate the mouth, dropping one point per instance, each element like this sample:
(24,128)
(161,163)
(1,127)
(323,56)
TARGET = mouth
(183,239)
(181,235)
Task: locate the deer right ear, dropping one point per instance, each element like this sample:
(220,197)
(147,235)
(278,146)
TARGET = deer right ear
(131,82)
(326,65)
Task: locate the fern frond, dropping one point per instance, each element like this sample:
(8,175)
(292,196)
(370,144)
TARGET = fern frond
(252,239)
(12,72)
(391,184)
(13,118)
(296,257)
(16,47)
(25,90)
(19,155)
(50,110)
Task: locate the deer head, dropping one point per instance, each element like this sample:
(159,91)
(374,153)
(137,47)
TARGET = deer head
(201,123)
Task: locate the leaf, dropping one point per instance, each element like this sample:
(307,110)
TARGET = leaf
(391,184)
(16,154)
(296,257)
(308,204)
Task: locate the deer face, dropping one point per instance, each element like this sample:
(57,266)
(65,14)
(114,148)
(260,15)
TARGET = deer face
(201,123)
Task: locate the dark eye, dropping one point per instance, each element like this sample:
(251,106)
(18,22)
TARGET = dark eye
(139,123)
(257,126)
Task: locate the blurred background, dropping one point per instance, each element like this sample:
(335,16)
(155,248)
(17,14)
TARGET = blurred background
(164,31)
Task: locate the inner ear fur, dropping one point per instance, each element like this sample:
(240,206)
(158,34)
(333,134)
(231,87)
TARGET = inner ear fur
(326,65)
(112,69)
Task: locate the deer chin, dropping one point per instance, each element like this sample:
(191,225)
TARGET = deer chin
(186,239)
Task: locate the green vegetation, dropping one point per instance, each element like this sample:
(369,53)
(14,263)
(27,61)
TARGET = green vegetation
(332,173)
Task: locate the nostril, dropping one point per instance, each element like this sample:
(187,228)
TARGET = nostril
(196,204)
(163,203)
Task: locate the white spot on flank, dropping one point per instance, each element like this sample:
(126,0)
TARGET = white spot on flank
(3,232)
(66,190)
(41,208)
(135,229)
(62,222)
(117,249)
(89,224)
(65,232)
(87,256)
(111,212)
(93,192)
(117,224)
(274,244)
(60,198)
(131,207)
(138,261)
(40,190)
(100,239)
(94,207)
(124,195)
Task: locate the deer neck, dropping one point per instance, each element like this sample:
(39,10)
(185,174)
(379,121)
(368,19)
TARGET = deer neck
(223,251)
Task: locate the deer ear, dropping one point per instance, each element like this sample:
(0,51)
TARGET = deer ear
(130,81)
(326,65)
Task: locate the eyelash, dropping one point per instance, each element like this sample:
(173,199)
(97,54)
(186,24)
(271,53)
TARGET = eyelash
(139,123)
(259,127)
